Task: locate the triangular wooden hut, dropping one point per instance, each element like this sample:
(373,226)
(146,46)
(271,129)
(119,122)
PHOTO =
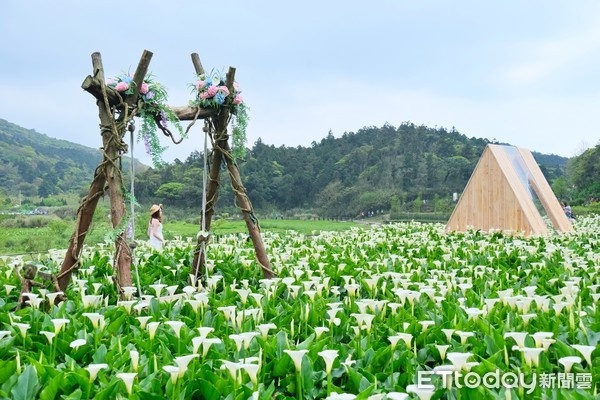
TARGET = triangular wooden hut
(501,195)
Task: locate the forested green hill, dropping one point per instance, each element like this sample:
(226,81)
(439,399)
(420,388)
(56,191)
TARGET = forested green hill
(415,167)
(584,176)
(359,172)
(33,164)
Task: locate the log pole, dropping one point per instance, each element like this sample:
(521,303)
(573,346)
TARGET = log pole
(85,213)
(248,213)
(108,172)
(113,133)
(222,148)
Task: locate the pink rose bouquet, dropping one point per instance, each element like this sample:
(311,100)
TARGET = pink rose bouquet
(122,87)
(210,91)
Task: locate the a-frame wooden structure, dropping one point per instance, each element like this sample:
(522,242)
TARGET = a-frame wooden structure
(500,195)
(116,113)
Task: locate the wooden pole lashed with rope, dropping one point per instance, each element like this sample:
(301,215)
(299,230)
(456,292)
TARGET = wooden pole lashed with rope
(113,171)
(85,213)
(108,175)
(222,152)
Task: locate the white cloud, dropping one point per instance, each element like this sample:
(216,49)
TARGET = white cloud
(541,123)
(408,62)
(545,59)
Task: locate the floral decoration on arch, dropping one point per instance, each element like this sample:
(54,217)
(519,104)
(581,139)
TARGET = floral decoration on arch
(210,91)
(154,111)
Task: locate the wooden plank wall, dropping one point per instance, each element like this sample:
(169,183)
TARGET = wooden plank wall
(524,203)
(494,199)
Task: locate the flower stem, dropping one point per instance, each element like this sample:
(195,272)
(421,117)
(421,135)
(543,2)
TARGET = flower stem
(392,362)
(235,386)
(177,389)
(299,385)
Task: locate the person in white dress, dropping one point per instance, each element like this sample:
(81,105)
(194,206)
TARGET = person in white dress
(155,227)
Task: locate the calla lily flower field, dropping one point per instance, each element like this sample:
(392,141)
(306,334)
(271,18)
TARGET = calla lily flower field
(398,311)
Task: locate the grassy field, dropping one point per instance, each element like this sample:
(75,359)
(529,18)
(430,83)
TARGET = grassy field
(56,235)
(223,227)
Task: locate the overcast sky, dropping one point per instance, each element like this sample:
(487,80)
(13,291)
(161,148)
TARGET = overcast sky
(521,72)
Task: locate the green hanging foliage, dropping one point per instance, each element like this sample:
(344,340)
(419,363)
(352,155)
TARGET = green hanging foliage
(240,125)
(154,111)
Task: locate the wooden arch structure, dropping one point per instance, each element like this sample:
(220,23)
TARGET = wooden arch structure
(115,114)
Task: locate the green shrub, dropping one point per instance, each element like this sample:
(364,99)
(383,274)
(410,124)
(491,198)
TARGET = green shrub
(66,212)
(28,221)
(59,228)
(593,208)
(37,243)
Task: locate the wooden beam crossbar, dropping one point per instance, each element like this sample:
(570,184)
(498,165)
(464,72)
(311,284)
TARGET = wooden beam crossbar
(93,86)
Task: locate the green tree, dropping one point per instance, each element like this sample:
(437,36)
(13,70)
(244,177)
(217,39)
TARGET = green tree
(438,203)
(417,203)
(170,191)
(334,201)
(560,187)
(4,201)
(394,208)
(358,171)
(584,173)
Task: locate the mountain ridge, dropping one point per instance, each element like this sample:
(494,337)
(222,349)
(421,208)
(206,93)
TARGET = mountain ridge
(362,170)
(341,176)
(36,164)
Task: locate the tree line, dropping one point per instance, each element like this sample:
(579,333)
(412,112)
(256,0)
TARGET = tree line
(411,167)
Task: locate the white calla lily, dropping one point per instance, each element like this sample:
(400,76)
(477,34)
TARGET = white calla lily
(296,356)
(128,379)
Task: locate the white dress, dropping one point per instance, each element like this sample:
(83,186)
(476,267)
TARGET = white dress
(154,242)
